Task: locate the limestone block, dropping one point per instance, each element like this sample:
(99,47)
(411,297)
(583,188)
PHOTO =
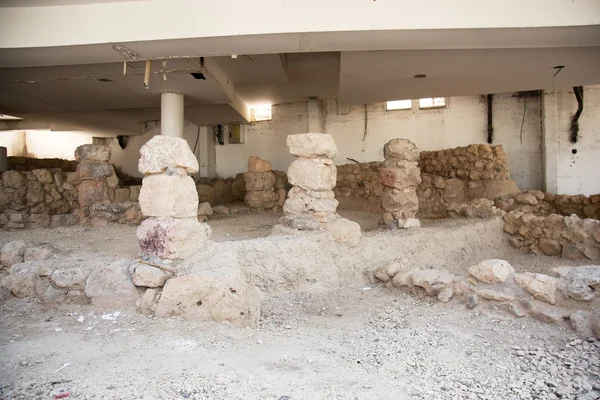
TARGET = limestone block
(492,271)
(256,181)
(301,222)
(281,196)
(205,209)
(261,199)
(582,283)
(35,193)
(526,198)
(169,196)
(43,175)
(400,149)
(223,294)
(405,223)
(301,202)
(540,286)
(63,220)
(94,170)
(399,178)
(433,280)
(312,174)
(406,199)
(12,253)
(39,220)
(550,247)
(149,276)
(134,193)
(162,152)
(544,312)
(495,294)
(38,253)
(111,285)
(344,231)
(310,145)
(257,164)
(13,179)
(404,277)
(206,193)
(70,278)
(581,322)
(122,195)
(172,238)
(92,152)
(91,192)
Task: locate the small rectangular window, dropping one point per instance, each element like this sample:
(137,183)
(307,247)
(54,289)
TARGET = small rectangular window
(398,105)
(262,113)
(432,102)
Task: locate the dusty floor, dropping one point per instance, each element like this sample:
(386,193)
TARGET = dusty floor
(357,342)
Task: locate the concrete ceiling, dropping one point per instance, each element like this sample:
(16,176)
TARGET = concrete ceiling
(367,77)
(85,85)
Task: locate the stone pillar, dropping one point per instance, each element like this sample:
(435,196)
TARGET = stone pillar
(260,181)
(98,178)
(400,176)
(311,203)
(171,114)
(169,198)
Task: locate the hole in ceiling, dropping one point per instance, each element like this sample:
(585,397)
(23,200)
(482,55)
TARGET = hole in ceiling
(104,80)
(198,75)
(574,151)
(420,76)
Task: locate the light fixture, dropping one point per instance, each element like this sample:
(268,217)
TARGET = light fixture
(420,76)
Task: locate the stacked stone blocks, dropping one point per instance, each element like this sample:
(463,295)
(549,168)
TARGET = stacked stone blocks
(260,182)
(400,176)
(311,203)
(98,178)
(169,198)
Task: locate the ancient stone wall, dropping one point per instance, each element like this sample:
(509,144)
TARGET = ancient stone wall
(540,203)
(358,187)
(554,235)
(38,198)
(474,162)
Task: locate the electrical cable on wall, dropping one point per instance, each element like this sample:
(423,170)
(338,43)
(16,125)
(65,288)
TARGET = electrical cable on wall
(366,123)
(197,138)
(523,120)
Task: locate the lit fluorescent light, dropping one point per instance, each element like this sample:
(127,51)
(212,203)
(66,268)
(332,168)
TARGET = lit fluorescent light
(261,113)
(398,105)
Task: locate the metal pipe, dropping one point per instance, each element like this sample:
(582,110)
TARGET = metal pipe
(147,74)
(490,115)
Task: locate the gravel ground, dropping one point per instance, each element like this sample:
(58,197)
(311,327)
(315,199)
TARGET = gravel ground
(356,343)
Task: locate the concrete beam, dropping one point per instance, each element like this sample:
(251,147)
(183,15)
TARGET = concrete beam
(214,71)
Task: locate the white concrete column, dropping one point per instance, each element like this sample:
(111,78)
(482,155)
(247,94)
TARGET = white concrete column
(171,114)
(550,141)
(316,123)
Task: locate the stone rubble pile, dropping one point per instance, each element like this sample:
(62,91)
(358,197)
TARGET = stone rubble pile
(567,297)
(260,182)
(311,203)
(169,199)
(400,176)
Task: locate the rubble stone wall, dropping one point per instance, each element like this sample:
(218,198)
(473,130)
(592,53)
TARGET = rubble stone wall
(38,198)
(544,204)
(474,162)
(554,235)
(358,187)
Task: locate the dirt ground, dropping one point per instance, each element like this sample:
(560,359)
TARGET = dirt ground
(356,342)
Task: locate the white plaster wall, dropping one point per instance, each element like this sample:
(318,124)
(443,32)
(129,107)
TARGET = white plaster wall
(43,144)
(462,122)
(264,139)
(579,173)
